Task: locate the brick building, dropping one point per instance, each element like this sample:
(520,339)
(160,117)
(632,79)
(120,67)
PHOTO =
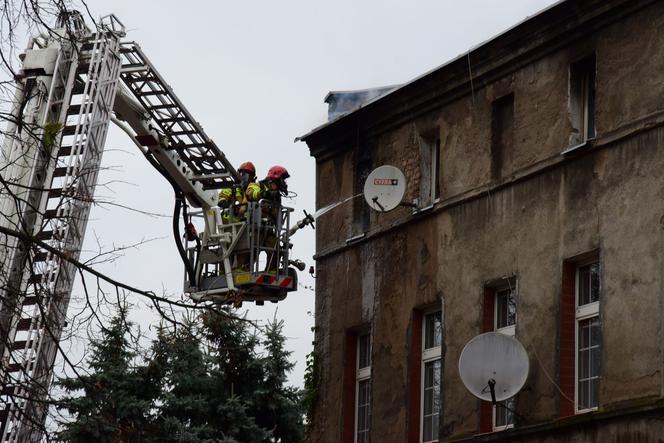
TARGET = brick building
(536,161)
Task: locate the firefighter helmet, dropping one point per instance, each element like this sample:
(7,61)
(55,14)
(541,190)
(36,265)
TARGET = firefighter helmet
(277,173)
(248,167)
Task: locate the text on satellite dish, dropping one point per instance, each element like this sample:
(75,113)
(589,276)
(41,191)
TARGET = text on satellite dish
(386,181)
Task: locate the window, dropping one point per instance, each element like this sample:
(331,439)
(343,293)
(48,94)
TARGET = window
(582,100)
(363,389)
(430,169)
(587,337)
(505,323)
(432,335)
(502,125)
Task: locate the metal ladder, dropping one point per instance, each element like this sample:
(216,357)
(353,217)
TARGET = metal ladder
(83,105)
(183,134)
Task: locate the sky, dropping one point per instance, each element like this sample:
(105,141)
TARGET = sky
(254,74)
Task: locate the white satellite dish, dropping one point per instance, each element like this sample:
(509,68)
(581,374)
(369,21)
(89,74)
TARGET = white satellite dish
(494,358)
(384,188)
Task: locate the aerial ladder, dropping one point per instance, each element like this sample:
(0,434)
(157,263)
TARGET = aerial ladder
(73,82)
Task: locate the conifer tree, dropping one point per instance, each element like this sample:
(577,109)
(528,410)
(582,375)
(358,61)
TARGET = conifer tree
(117,398)
(281,410)
(183,405)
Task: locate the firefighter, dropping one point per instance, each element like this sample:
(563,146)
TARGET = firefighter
(271,189)
(234,199)
(234,202)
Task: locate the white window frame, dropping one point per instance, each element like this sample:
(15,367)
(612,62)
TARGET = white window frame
(507,330)
(581,82)
(361,375)
(583,312)
(429,355)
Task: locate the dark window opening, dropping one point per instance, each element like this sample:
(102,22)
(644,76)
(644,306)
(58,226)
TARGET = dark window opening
(582,100)
(429,168)
(502,129)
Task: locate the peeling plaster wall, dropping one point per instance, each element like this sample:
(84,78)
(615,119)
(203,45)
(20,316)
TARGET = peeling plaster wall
(548,209)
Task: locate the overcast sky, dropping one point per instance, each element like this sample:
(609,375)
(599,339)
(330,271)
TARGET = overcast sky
(254,74)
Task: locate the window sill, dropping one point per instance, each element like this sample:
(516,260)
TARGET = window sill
(578,147)
(503,428)
(355,238)
(586,411)
(426,208)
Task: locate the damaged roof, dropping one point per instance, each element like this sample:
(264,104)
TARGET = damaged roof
(480,53)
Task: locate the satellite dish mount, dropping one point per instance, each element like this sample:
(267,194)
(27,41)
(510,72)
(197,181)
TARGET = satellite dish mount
(384,189)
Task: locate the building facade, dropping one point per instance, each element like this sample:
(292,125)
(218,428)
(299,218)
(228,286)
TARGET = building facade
(535,162)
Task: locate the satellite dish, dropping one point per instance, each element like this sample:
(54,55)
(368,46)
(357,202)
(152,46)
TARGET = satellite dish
(384,188)
(494,358)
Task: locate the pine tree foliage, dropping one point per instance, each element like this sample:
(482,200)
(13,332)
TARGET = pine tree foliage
(204,382)
(116,401)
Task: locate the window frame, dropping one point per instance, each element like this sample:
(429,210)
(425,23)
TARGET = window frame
(510,284)
(429,355)
(581,313)
(582,90)
(430,170)
(362,374)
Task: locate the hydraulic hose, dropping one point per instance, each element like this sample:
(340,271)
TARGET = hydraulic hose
(179,200)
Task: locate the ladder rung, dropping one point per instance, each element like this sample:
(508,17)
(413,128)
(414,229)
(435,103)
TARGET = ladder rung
(45,235)
(143,94)
(171,120)
(40,256)
(133,66)
(51,213)
(182,132)
(153,107)
(78,88)
(140,79)
(73,109)
(55,193)
(24,324)
(182,146)
(8,390)
(35,278)
(69,130)
(19,344)
(29,301)
(14,367)
(60,171)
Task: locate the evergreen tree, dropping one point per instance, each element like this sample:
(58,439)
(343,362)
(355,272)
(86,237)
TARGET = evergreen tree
(204,382)
(117,398)
(184,401)
(281,408)
(236,374)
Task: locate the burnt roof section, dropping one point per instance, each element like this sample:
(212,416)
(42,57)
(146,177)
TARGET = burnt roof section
(343,102)
(552,28)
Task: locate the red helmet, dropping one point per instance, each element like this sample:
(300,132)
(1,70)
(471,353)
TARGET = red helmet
(248,167)
(277,172)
